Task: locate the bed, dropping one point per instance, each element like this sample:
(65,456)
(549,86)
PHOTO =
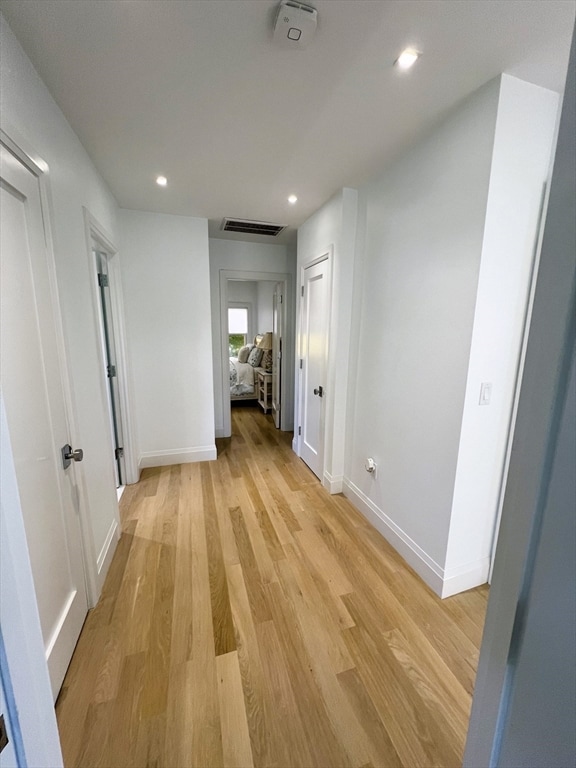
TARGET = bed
(243,379)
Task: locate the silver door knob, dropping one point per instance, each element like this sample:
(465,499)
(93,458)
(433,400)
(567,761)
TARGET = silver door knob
(69,455)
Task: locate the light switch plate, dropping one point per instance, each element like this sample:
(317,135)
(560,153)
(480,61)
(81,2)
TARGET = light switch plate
(485,393)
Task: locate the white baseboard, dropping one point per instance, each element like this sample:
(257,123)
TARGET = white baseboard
(333,484)
(106,553)
(295,445)
(177,456)
(465,577)
(443,583)
(219,432)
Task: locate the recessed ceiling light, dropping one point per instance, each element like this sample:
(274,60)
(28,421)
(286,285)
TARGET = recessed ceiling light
(292,199)
(407,58)
(161,181)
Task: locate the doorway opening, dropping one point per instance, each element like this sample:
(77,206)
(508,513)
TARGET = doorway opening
(109,357)
(256,309)
(108,309)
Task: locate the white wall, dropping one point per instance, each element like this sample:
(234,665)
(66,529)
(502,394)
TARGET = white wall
(444,255)
(332,229)
(33,120)
(423,242)
(232,255)
(165,275)
(525,126)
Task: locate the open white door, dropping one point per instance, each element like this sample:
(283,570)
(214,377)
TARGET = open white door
(277,333)
(314,346)
(32,387)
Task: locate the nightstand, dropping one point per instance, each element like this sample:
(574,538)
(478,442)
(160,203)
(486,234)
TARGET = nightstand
(264,389)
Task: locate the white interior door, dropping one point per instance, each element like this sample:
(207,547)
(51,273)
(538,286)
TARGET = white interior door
(277,333)
(314,345)
(32,386)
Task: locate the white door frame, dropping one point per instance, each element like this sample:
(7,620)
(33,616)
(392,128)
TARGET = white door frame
(326,255)
(529,304)
(95,233)
(225,275)
(277,354)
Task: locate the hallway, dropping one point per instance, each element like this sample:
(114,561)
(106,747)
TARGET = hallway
(250,618)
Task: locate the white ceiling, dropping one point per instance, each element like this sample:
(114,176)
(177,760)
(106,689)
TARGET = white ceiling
(196,90)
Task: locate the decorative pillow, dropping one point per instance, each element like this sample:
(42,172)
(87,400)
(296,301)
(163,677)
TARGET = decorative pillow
(266,362)
(255,357)
(243,353)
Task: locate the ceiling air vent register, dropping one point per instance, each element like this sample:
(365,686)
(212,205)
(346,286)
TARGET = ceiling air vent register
(251,227)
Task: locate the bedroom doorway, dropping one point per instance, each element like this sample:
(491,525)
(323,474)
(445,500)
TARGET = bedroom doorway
(265,297)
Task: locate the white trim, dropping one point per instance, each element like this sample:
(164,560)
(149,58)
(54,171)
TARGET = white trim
(414,555)
(274,277)
(177,456)
(27,156)
(520,369)
(443,583)
(59,624)
(466,576)
(107,551)
(333,484)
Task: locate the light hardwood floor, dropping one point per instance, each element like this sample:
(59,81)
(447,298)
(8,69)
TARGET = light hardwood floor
(251,619)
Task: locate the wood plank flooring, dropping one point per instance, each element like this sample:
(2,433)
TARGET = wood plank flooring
(251,619)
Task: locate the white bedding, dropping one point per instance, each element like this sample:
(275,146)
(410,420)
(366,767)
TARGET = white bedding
(241,377)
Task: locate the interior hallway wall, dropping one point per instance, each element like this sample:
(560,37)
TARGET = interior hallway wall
(441,302)
(31,117)
(423,242)
(165,274)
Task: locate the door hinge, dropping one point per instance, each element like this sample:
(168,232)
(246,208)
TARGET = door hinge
(299,430)
(111,371)
(281,298)
(301,362)
(302,291)
(103,281)
(118,453)
(4,741)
